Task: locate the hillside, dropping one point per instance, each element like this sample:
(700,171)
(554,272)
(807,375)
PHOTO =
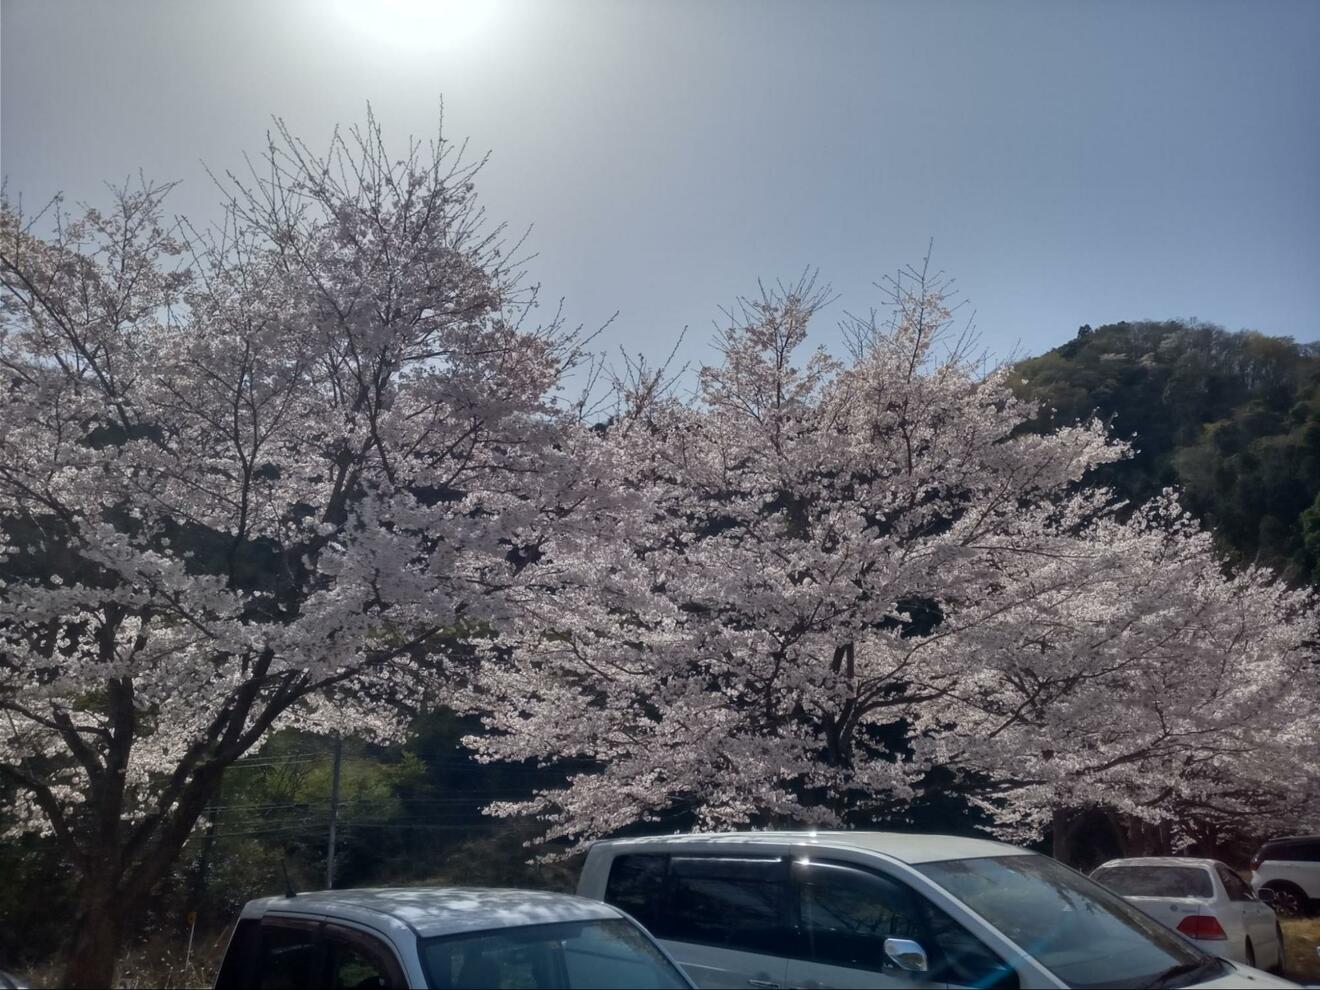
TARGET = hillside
(1232,419)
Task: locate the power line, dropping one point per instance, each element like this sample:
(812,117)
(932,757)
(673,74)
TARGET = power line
(349,824)
(464,797)
(307,827)
(492,827)
(313,757)
(278,764)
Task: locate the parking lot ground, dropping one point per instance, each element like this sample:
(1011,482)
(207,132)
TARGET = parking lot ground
(1301,936)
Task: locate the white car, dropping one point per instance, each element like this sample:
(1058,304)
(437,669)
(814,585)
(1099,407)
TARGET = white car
(884,909)
(387,939)
(1289,868)
(1202,899)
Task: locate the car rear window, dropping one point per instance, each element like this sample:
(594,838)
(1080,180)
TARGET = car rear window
(1156,881)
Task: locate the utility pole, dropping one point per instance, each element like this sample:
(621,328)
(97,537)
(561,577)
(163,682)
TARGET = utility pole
(334,814)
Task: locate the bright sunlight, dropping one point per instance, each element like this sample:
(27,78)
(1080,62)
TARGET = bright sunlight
(419,24)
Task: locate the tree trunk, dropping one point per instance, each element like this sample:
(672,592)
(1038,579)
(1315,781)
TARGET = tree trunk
(1061,836)
(1140,838)
(118,886)
(98,931)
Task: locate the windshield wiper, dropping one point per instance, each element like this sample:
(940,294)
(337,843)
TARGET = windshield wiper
(1182,969)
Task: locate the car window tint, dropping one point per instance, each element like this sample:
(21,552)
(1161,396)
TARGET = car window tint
(737,903)
(1156,881)
(288,958)
(846,914)
(357,965)
(1236,889)
(580,955)
(600,957)
(1301,851)
(241,955)
(960,958)
(1292,850)
(1085,934)
(636,885)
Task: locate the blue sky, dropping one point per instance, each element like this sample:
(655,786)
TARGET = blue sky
(1074,163)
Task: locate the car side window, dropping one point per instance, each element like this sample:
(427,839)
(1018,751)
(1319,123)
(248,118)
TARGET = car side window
(1236,889)
(240,956)
(359,961)
(636,884)
(962,959)
(734,902)
(289,955)
(847,913)
(1291,851)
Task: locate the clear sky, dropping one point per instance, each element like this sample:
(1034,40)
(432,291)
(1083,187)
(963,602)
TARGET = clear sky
(1073,162)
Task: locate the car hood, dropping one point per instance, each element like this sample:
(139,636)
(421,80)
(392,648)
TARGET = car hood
(1240,976)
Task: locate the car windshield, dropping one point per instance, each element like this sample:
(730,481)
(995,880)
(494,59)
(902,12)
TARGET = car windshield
(580,955)
(1081,932)
(1156,881)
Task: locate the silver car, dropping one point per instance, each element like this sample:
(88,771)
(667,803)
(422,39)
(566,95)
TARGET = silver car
(886,909)
(442,937)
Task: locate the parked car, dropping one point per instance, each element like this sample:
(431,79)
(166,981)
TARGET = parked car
(1202,899)
(1290,869)
(877,909)
(386,939)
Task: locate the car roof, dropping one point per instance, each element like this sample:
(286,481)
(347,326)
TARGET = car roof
(1290,838)
(1162,861)
(906,847)
(433,911)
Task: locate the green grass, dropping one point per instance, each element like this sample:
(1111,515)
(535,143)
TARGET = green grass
(1301,937)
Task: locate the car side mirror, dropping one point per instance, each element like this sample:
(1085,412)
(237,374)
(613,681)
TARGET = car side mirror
(906,954)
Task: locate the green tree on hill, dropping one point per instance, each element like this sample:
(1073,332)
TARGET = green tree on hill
(1231,419)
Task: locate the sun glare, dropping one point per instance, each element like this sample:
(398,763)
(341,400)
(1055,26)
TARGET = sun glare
(419,24)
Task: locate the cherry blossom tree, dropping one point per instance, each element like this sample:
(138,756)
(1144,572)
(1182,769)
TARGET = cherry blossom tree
(1132,675)
(819,531)
(249,478)
(857,571)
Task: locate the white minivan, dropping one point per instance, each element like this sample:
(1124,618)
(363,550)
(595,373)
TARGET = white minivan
(883,909)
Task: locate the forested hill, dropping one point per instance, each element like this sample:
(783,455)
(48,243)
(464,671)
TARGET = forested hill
(1233,419)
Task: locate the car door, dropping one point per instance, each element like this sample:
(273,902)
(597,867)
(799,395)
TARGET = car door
(845,913)
(724,919)
(1258,919)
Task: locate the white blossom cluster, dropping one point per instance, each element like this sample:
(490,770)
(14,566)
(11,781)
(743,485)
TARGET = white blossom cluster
(835,552)
(265,475)
(312,465)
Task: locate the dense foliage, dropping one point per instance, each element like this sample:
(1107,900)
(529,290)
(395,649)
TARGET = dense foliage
(261,476)
(844,552)
(311,474)
(1230,419)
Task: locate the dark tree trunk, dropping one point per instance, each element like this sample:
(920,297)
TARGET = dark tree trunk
(1140,838)
(98,931)
(1207,840)
(1061,835)
(120,878)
